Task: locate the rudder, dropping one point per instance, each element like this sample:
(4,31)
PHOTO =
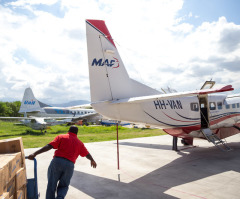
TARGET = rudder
(109,79)
(30,103)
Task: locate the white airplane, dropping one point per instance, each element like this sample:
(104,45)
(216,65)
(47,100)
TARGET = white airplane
(195,114)
(39,123)
(39,116)
(30,106)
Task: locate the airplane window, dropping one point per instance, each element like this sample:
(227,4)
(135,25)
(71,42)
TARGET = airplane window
(233,105)
(194,106)
(219,104)
(227,106)
(212,105)
(237,105)
(85,112)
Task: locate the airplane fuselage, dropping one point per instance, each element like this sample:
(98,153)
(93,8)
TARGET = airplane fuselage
(186,113)
(61,112)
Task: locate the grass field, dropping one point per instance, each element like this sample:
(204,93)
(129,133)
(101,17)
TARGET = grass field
(34,138)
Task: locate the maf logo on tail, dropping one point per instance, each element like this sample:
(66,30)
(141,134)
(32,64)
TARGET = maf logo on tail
(114,63)
(29,102)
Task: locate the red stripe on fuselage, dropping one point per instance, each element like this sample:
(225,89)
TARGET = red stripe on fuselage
(177,120)
(184,131)
(223,118)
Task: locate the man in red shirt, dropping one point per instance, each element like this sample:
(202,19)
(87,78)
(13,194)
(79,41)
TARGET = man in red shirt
(68,148)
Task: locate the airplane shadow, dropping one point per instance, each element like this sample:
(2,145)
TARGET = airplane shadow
(32,132)
(59,132)
(154,146)
(146,145)
(99,187)
(192,167)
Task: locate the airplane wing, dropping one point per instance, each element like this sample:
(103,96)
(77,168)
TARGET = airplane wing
(79,106)
(32,117)
(172,95)
(62,118)
(13,118)
(84,116)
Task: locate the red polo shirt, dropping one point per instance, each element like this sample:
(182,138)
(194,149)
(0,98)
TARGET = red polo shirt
(69,146)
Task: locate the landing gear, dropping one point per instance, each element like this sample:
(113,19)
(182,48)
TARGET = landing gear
(43,132)
(187,141)
(174,146)
(184,141)
(236,127)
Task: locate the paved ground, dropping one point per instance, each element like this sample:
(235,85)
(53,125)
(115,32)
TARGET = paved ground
(150,169)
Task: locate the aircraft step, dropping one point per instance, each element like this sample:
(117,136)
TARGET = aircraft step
(211,137)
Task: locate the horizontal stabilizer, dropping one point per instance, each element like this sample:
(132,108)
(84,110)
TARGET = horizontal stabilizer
(172,95)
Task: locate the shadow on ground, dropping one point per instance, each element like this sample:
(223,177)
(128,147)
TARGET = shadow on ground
(198,164)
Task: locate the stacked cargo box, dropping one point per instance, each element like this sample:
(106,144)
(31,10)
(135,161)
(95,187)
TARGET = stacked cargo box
(12,169)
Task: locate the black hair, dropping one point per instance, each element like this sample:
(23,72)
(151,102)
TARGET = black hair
(73,129)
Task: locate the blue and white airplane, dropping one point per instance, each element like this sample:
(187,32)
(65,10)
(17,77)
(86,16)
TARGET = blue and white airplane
(195,114)
(39,116)
(30,106)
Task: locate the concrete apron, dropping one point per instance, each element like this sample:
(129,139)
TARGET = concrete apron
(150,169)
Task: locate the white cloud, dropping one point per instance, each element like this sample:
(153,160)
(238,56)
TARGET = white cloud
(33,2)
(48,52)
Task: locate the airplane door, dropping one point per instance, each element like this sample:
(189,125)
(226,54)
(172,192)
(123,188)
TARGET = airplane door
(203,102)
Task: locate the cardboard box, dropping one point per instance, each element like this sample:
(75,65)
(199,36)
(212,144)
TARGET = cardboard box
(18,159)
(11,188)
(4,195)
(3,178)
(22,192)
(21,178)
(12,146)
(9,165)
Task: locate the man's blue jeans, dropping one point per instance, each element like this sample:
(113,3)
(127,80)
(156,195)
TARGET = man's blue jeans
(60,172)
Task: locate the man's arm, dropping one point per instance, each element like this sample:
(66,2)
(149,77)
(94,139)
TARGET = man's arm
(42,150)
(93,163)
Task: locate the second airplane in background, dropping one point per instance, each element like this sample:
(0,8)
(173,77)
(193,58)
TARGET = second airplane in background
(39,116)
(30,106)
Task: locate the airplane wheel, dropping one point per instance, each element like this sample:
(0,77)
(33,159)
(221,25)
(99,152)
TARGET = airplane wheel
(184,142)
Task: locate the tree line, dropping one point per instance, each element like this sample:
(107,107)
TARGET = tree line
(10,109)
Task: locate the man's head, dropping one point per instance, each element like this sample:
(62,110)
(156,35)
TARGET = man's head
(73,129)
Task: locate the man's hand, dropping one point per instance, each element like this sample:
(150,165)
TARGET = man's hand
(31,157)
(93,164)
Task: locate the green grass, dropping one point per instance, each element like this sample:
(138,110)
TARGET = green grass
(34,138)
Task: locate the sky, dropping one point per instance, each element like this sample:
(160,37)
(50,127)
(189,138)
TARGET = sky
(163,43)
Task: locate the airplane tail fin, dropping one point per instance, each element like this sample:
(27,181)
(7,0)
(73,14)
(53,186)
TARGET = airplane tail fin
(30,103)
(109,79)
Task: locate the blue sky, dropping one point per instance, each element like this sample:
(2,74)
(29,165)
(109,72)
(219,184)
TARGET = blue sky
(211,10)
(175,43)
